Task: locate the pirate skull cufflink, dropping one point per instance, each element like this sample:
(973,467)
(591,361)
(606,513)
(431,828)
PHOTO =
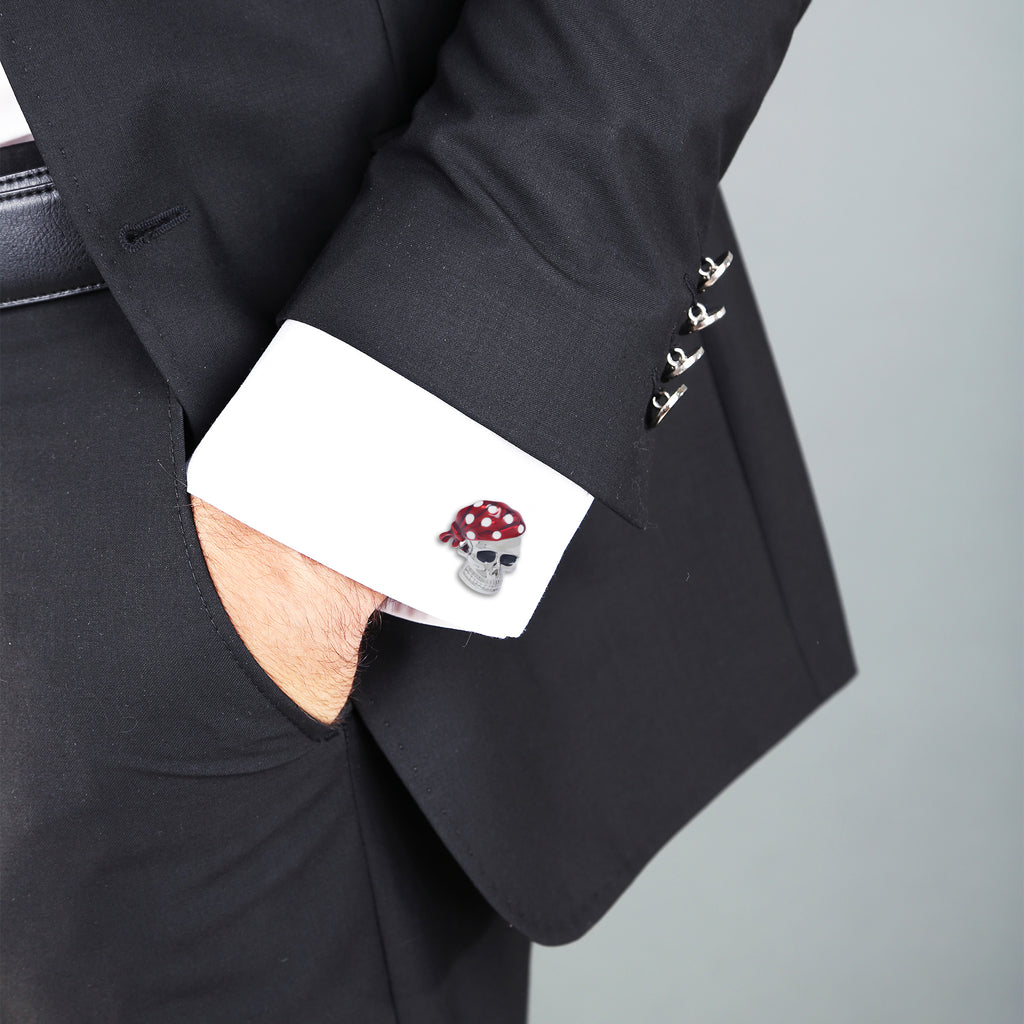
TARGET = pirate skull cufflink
(487,534)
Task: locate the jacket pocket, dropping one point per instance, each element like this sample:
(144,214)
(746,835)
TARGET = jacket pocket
(219,619)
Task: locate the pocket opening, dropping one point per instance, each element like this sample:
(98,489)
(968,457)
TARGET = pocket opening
(219,619)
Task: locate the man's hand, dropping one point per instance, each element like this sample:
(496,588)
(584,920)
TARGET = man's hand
(302,621)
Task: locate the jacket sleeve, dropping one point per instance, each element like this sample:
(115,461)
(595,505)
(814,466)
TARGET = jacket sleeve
(528,246)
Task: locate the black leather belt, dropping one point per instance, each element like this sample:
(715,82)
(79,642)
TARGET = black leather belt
(41,253)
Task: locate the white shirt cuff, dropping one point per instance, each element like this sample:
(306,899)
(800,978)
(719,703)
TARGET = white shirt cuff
(339,457)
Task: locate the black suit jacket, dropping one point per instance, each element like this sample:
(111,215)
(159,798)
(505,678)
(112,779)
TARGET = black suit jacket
(421,178)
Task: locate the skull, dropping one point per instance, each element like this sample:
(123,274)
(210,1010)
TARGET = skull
(487,562)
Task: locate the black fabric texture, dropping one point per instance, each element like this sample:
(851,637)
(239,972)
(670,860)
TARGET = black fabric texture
(550,195)
(180,842)
(421,180)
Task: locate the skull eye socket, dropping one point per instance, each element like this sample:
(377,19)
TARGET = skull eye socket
(485,556)
(508,559)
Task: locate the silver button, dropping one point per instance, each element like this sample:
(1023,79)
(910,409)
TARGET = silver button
(677,361)
(661,403)
(698,318)
(711,270)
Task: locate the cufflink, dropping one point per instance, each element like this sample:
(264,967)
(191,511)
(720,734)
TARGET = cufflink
(488,537)
(698,317)
(677,362)
(712,270)
(661,403)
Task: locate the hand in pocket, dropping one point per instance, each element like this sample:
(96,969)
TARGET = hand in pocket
(300,620)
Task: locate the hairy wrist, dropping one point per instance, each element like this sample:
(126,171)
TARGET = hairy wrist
(301,620)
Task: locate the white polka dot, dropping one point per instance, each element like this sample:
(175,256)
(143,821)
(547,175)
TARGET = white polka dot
(477,504)
(492,509)
(508,519)
(496,535)
(521,528)
(470,535)
(469,518)
(486,521)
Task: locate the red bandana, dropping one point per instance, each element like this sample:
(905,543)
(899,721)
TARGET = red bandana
(484,520)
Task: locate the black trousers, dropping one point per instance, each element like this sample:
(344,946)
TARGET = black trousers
(177,846)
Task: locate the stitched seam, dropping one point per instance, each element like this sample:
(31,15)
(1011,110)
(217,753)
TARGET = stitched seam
(182,495)
(392,57)
(18,175)
(52,295)
(49,123)
(369,874)
(134,235)
(99,255)
(628,866)
(21,193)
(690,287)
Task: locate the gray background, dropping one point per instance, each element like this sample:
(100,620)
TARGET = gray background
(869,869)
